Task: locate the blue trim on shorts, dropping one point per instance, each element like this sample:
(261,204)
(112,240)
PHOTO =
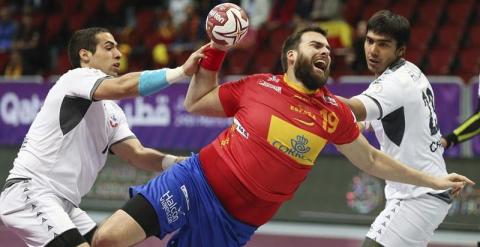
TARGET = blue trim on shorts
(184,201)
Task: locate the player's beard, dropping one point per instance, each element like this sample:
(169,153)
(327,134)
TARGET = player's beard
(304,72)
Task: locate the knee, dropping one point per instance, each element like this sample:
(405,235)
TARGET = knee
(104,237)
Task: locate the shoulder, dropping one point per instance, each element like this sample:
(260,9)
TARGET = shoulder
(85,72)
(403,74)
(112,104)
(81,73)
(333,102)
(261,77)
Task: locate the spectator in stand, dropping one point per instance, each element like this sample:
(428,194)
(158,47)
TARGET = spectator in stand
(14,67)
(356,57)
(27,42)
(258,12)
(8,29)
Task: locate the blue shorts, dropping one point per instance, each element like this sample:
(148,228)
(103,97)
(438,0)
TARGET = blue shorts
(184,201)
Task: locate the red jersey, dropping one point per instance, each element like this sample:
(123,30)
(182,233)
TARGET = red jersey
(277,134)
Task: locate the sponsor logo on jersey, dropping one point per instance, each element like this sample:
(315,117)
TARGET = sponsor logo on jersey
(240,129)
(308,123)
(269,85)
(303,111)
(171,208)
(299,144)
(185,194)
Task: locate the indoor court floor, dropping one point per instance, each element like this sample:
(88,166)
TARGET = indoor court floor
(287,234)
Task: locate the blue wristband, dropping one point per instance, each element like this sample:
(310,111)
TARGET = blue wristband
(152,81)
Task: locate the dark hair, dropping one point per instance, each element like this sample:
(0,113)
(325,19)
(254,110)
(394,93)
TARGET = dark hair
(83,39)
(294,39)
(385,22)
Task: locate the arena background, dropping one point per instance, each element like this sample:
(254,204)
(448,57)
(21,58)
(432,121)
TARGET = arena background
(337,202)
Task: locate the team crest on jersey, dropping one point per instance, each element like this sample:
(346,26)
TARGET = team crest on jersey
(299,144)
(330,100)
(375,88)
(273,78)
(113,121)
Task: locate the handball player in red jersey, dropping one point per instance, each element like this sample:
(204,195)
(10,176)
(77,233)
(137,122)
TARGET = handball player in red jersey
(281,123)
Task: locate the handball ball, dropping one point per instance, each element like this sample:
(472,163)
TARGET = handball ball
(226,24)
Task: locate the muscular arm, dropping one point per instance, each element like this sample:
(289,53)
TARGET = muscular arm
(467,130)
(357,108)
(202,95)
(125,86)
(132,151)
(378,164)
(131,84)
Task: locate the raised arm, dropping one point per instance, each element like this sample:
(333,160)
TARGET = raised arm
(378,164)
(146,82)
(202,95)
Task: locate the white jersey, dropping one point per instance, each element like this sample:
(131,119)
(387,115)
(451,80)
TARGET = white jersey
(68,142)
(401,109)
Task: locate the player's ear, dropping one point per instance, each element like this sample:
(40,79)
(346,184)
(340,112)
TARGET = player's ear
(291,55)
(401,51)
(85,56)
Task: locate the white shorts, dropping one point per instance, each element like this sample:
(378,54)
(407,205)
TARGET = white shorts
(37,215)
(408,222)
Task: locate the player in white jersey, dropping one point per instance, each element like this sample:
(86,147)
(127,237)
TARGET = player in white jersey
(399,106)
(466,130)
(68,142)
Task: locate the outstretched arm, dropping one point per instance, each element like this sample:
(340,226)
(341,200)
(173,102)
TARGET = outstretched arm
(378,164)
(132,151)
(146,82)
(466,131)
(202,95)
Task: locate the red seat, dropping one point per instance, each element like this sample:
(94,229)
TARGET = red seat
(420,37)
(90,7)
(264,62)
(439,62)
(113,6)
(371,9)
(405,8)
(469,61)
(4,57)
(473,39)
(429,12)
(77,21)
(145,19)
(277,36)
(54,25)
(351,10)
(458,13)
(415,56)
(63,63)
(238,60)
(448,37)
(69,7)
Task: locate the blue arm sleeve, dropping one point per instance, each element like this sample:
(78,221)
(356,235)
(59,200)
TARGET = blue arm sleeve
(152,81)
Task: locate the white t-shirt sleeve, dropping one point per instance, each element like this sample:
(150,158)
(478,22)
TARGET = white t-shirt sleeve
(84,81)
(382,98)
